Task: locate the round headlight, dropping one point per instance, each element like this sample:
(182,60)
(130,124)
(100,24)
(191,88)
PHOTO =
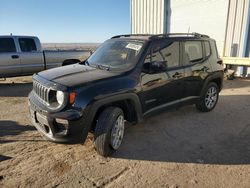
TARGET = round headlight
(60,97)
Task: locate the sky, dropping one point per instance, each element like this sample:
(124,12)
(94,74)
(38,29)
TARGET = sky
(65,21)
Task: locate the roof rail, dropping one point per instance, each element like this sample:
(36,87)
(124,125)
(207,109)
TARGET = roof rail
(130,35)
(163,35)
(200,35)
(180,34)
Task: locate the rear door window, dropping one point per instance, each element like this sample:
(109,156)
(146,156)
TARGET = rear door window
(27,45)
(193,51)
(7,45)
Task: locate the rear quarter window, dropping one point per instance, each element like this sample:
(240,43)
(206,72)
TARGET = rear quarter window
(214,49)
(207,49)
(7,45)
(193,51)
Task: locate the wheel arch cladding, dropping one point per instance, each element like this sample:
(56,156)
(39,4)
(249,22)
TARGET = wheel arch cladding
(216,78)
(129,103)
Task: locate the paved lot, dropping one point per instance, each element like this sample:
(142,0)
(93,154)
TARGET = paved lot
(181,148)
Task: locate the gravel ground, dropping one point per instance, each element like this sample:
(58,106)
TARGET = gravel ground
(180,148)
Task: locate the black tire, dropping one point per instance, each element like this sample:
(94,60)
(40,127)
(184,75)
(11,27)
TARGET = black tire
(105,123)
(201,105)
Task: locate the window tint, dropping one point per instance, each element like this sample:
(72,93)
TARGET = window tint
(7,45)
(193,51)
(27,45)
(166,51)
(207,49)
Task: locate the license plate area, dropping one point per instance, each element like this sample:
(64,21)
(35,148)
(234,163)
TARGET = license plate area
(33,115)
(41,118)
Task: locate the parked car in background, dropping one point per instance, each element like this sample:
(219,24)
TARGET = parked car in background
(23,55)
(129,77)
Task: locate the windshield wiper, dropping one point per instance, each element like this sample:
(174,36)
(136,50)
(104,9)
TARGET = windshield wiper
(101,66)
(106,67)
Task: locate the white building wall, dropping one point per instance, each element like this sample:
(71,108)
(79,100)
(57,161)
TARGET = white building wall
(202,16)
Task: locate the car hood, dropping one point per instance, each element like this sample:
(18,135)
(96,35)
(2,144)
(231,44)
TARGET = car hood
(77,74)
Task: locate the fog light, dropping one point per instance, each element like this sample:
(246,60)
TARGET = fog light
(62,121)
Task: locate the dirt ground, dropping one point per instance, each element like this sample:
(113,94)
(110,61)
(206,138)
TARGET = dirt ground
(180,148)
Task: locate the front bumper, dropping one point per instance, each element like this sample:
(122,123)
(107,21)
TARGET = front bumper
(69,126)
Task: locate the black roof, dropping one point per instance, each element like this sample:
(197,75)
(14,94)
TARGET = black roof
(159,36)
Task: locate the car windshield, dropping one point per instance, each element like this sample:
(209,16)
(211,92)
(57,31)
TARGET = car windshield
(116,55)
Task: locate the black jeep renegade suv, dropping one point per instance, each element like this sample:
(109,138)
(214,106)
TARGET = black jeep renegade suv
(127,78)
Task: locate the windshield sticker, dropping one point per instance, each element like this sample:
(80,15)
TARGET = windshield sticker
(135,47)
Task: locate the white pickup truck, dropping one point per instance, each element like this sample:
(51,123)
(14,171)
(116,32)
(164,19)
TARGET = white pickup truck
(23,55)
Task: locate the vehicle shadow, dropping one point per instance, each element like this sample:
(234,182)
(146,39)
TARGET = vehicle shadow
(15,89)
(12,128)
(188,136)
(4,158)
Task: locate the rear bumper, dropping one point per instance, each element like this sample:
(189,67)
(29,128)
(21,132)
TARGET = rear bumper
(69,126)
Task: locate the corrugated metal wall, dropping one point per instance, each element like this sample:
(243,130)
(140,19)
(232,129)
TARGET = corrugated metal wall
(237,28)
(161,16)
(248,41)
(148,16)
(227,21)
(246,70)
(236,39)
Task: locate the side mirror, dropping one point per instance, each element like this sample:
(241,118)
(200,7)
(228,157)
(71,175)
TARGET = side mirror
(154,67)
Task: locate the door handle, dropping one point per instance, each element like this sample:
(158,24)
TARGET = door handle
(177,75)
(15,56)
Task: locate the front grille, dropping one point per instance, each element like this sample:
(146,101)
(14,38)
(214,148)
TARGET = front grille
(41,91)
